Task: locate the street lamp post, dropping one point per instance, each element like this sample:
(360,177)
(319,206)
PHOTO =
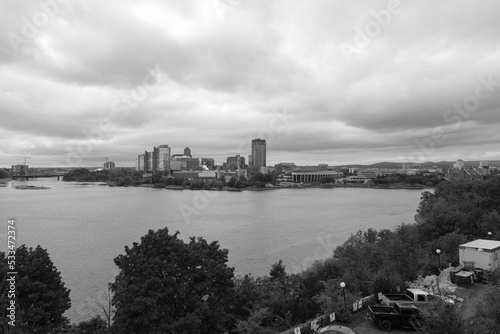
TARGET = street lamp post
(438,252)
(342,285)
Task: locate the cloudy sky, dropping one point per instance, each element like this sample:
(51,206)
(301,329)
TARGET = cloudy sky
(334,82)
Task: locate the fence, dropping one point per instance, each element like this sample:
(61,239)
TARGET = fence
(328,319)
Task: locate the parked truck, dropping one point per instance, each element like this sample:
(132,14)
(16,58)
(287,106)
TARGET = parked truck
(398,315)
(414,296)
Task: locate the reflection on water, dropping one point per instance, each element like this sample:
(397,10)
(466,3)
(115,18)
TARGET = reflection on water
(85,226)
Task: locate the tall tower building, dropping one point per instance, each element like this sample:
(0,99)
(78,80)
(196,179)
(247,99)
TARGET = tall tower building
(148,161)
(161,158)
(258,152)
(187,152)
(109,165)
(141,162)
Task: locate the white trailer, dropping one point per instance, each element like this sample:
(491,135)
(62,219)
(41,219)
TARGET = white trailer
(480,253)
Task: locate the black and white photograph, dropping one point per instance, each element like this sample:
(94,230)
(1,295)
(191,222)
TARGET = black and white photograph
(249,166)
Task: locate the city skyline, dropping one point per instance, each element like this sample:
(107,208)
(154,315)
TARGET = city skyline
(322,82)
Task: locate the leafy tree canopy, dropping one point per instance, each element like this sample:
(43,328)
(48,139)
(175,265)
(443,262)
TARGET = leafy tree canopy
(41,297)
(168,286)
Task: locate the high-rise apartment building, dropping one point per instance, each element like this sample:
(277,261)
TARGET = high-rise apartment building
(109,165)
(161,158)
(187,152)
(258,152)
(148,158)
(141,162)
(235,162)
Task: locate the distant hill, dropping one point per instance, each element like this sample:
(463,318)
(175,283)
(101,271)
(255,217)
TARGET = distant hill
(429,164)
(385,164)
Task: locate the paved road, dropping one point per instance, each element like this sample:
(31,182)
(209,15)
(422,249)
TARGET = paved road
(368,327)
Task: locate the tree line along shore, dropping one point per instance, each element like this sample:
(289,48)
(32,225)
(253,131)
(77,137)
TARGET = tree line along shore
(124,177)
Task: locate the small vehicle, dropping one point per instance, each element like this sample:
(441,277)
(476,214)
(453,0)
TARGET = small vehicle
(416,297)
(387,317)
(335,329)
(409,297)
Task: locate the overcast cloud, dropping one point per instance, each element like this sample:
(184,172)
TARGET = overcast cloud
(321,81)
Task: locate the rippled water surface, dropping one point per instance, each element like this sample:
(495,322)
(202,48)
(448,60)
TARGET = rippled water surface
(84,227)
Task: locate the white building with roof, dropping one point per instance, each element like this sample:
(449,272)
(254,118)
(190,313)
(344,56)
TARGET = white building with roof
(312,174)
(480,253)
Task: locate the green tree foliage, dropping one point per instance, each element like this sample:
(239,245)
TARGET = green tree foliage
(331,299)
(280,301)
(125,177)
(266,302)
(278,271)
(487,317)
(260,180)
(253,325)
(159,179)
(85,175)
(175,181)
(95,325)
(429,180)
(120,177)
(439,318)
(327,180)
(41,297)
(465,207)
(168,286)
(4,174)
(448,245)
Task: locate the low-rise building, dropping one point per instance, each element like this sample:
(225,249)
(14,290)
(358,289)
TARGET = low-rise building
(311,175)
(20,169)
(207,174)
(234,163)
(227,175)
(209,163)
(186,174)
(285,177)
(178,165)
(267,170)
(355,179)
(369,173)
(480,253)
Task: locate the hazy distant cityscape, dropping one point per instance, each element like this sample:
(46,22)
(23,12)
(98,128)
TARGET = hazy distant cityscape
(161,159)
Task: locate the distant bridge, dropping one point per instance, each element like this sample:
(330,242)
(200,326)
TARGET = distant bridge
(27,177)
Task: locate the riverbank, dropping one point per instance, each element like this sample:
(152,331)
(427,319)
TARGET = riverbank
(287,186)
(299,186)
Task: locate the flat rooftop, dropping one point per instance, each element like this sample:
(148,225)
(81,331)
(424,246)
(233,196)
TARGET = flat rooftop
(482,243)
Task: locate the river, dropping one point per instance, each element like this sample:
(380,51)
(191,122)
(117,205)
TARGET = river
(84,227)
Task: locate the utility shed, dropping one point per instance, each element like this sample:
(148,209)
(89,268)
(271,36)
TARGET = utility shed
(484,254)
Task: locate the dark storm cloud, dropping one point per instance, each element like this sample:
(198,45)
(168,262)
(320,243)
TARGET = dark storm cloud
(212,75)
